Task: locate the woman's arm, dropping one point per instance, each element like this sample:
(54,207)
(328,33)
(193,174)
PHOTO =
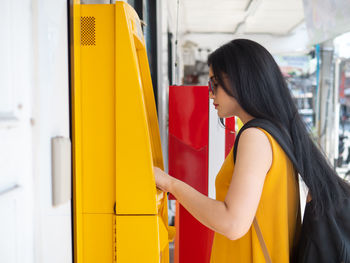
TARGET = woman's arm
(234,216)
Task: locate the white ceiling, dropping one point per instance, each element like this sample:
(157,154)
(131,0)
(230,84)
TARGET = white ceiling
(276,17)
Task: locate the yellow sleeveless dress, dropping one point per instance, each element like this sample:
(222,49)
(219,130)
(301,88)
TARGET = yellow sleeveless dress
(277,213)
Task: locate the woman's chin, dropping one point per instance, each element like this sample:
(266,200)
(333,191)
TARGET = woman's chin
(224,116)
(219,115)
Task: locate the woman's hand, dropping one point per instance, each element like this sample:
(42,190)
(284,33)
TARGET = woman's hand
(163,180)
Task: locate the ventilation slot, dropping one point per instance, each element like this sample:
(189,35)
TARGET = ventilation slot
(87,31)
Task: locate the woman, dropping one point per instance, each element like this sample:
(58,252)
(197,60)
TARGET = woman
(262,183)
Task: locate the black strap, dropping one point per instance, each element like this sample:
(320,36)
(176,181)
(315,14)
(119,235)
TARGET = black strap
(280,134)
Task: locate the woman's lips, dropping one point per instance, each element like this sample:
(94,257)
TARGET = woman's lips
(215,105)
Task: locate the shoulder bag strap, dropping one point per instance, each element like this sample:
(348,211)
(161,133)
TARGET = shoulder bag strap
(261,241)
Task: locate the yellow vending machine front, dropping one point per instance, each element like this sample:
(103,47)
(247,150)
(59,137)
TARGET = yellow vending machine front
(119,215)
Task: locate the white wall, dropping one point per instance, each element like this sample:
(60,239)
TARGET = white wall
(16,199)
(34,107)
(216,148)
(53,232)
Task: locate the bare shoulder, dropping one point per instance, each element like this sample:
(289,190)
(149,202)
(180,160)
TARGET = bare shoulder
(255,135)
(254,145)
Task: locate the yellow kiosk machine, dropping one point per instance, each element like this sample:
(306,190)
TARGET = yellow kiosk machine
(119,215)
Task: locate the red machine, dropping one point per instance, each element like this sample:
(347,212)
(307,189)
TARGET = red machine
(189,162)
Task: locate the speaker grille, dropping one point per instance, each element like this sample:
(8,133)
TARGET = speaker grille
(87,31)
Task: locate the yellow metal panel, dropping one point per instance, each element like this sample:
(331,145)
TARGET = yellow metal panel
(137,239)
(98,238)
(93,131)
(135,185)
(115,140)
(98,118)
(171,233)
(163,234)
(150,108)
(239,123)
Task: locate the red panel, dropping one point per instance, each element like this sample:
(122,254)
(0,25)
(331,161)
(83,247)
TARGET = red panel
(188,164)
(189,114)
(189,135)
(195,239)
(188,161)
(229,134)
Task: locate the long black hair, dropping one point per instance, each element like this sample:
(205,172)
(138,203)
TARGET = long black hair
(256,82)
